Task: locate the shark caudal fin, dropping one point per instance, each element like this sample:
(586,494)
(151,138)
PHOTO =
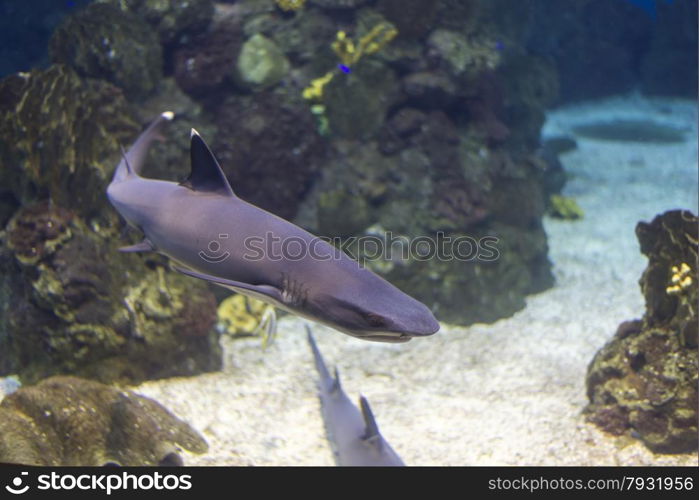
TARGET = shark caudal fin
(133,160)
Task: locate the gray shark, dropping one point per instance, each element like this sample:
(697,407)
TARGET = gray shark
(213,235)
(354,435)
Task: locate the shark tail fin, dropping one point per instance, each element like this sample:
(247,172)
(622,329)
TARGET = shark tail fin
(133,160)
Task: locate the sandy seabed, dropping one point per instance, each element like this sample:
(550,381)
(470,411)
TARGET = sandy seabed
(508,393)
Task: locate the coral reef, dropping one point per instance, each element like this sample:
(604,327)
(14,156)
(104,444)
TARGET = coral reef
(66,311)
(239,315)
(356,104)
(431,109)
(172,20)
(531,86)
(277,176)
(102,41)
(63,283)
(203,65)
(412,18)
(68,421)
(303,38)
(58,148)
(644,381)
(290,5)
(443,179)
(339,4)
(352,108)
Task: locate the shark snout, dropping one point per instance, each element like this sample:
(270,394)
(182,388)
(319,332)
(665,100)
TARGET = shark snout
(421,323)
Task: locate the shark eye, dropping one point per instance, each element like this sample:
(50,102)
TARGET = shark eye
(375,320)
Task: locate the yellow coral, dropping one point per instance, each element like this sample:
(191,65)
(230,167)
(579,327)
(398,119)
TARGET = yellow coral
(349,53)
(680,279)
(238,315)
(315,90)
(565,208)
(290,5)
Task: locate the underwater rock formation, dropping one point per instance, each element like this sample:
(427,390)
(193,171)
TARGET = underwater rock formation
(67,312)
(277,176)
(173,20)
(531,86)
(645,379)
(438,180)
(303,38)
(338,4)
(61,137)
(63,284)
(104,42)
(427,131)
(203,65)
(356,104)
(68,421)
(412,18)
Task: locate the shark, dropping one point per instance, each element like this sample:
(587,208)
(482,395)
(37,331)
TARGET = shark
(353,433)
(210,233)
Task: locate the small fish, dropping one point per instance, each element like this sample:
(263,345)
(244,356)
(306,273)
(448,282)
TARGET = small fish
(207,230)
(354,434)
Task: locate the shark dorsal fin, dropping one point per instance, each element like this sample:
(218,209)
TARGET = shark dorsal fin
(371,432)
(206,174)
(337,386)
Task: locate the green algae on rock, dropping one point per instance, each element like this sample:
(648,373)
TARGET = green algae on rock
(68,421)
(105,42)
(261,63)
(645,379)
(61,137)
(356,103)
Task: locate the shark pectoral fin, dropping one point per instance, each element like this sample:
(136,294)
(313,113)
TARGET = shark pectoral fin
(267,328)
(371,433)
(144,246)
(266,293)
